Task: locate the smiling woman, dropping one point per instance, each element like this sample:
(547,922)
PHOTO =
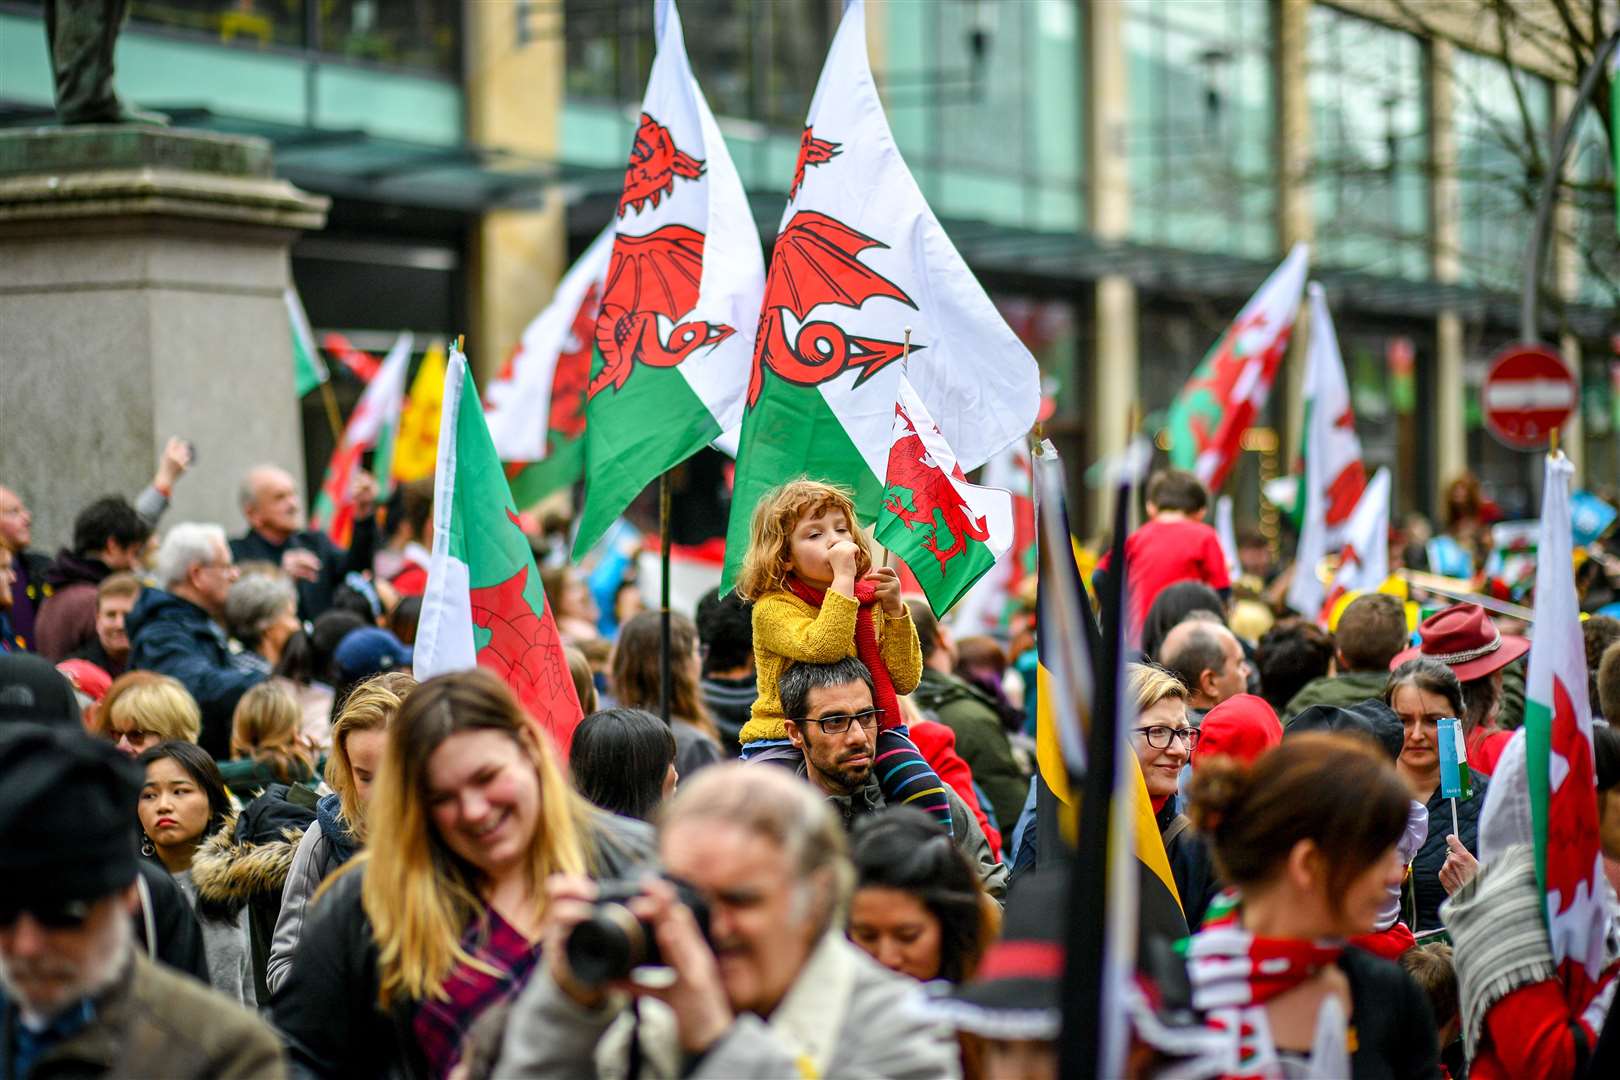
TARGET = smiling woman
(439,918)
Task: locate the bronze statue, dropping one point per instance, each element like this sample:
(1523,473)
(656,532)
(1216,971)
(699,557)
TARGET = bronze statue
(82,36)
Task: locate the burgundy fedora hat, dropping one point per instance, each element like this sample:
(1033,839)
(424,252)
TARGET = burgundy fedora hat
(1464,638)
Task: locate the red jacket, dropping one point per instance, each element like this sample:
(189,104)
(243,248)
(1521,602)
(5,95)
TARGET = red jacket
(1530,1035)
(938,744)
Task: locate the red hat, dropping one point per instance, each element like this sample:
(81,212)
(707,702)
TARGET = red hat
(87,678)
(1464,638)
(1242,726)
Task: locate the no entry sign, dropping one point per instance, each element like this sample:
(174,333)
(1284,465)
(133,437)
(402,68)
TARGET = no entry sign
(1528,394)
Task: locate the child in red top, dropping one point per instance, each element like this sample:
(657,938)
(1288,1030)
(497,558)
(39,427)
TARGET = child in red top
(1174,545)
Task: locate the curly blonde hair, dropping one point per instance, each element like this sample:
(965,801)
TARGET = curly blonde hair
(768,563)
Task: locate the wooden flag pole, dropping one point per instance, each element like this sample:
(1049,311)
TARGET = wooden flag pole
(334,418)
(663,597)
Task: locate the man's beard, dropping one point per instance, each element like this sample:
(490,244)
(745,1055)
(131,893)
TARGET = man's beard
(72,982)
(851,779)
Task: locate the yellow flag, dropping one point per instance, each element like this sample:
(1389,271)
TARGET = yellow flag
(418,444)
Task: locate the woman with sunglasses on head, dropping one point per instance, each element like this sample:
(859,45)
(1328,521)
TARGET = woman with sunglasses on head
(1164,741)
(439,918)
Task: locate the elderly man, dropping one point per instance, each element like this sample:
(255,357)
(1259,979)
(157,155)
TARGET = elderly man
(76,997)
(773,988)
(276,534)
(833,724)
(1208,659)
(176,629)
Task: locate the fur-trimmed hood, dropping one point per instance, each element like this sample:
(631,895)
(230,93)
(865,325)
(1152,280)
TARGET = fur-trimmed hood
(230,869)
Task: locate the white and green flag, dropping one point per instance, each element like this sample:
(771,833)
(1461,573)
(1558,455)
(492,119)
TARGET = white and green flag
(484,606)
(948,531)
(1544,787)
(681,300)
(309,370)
(860,260)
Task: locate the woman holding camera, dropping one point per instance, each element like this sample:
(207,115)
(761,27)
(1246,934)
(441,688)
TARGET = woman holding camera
(439,918)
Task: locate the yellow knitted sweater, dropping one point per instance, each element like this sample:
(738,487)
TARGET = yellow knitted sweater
(788,630)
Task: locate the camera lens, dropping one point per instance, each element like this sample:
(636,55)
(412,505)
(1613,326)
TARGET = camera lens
(606,946)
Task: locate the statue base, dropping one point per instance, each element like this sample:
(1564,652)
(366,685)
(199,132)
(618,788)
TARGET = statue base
(142,272)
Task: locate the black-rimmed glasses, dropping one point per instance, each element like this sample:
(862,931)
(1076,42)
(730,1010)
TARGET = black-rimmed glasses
(837,724)
(1158,736)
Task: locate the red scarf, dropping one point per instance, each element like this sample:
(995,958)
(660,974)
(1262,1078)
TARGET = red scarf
(866,642)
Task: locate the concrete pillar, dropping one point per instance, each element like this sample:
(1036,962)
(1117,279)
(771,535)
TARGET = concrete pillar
(1450,435)
(1115,366)
(514,85)
(1296,219)
(142,273)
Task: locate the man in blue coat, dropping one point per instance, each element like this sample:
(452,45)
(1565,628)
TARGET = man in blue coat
(176,629)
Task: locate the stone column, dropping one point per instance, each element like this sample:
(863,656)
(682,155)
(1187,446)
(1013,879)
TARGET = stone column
(142,273)
(1296,219)
(1115,368)
(1450,393)
(514,101)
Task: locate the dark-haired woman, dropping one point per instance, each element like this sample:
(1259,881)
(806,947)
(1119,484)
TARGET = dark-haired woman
(1306,838)
(918,907)
(623,761)
(636,685)
(1421,693)
(438,920)
(182,804)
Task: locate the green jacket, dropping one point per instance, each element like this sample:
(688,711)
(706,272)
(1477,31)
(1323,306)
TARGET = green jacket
(980,739)
(1339,690)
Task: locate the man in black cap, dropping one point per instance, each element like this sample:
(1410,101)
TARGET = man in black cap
(76,996)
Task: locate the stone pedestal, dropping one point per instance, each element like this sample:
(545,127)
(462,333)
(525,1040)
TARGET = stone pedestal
(141,279)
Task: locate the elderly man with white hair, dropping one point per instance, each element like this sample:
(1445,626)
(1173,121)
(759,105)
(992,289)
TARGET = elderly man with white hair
(274,512)
(176,628)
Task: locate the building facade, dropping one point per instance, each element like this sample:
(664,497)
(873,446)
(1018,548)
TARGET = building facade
(1120,174)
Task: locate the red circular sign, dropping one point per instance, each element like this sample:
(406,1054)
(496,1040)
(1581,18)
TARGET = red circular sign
(1527,395)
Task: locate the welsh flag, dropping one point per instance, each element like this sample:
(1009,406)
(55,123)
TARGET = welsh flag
(370,427)
(1364,558)
(413,453)
(1230,386)
(536,405)
(681,300)
(1552,761)
(859,260)
(309,370)
(484,606)
(948,531)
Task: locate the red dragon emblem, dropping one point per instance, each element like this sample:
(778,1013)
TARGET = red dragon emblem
(817,261)
(920,494)
(1345,492)
(526,652)
(655,162)
(1220,403)
(573,371)
(1572,820)
(651,277)
(812,151)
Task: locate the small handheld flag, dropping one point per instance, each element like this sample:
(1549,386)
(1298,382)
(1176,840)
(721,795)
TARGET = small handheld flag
(1456,779)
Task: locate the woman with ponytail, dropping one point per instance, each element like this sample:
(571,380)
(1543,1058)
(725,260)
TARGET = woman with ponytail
(1305,837)
(438,919)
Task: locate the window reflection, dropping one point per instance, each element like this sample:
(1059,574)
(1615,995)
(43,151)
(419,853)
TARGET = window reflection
(1495,185)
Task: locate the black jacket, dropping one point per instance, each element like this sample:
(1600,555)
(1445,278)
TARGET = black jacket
(179,940)
(176,637)
(326,1008)
(1192,865)
(314,597)
(1427,892)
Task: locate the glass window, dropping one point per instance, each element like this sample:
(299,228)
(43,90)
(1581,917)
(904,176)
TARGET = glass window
(417,33)
(244,23)
(1369,142)
(1501,120)
(1199,141)
(1591,193)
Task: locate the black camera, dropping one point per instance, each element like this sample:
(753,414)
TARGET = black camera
(613,942)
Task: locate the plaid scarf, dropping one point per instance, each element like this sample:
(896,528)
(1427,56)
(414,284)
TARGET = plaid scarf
(866,642)
(1234,973)
(441,1026)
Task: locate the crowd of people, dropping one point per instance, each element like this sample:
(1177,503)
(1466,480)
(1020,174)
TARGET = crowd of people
(240,839)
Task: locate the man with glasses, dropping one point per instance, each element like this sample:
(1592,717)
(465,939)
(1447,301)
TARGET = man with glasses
(76,997)
(177,629)
(833,723)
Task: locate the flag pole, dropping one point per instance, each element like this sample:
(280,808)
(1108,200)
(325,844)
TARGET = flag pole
(333,419)
(663,597)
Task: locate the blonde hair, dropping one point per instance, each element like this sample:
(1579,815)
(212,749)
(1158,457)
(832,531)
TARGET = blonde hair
(370,706)
(1151,684)
(419,896)
(579,669)
(265,726)
(152,702)
(768,563)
